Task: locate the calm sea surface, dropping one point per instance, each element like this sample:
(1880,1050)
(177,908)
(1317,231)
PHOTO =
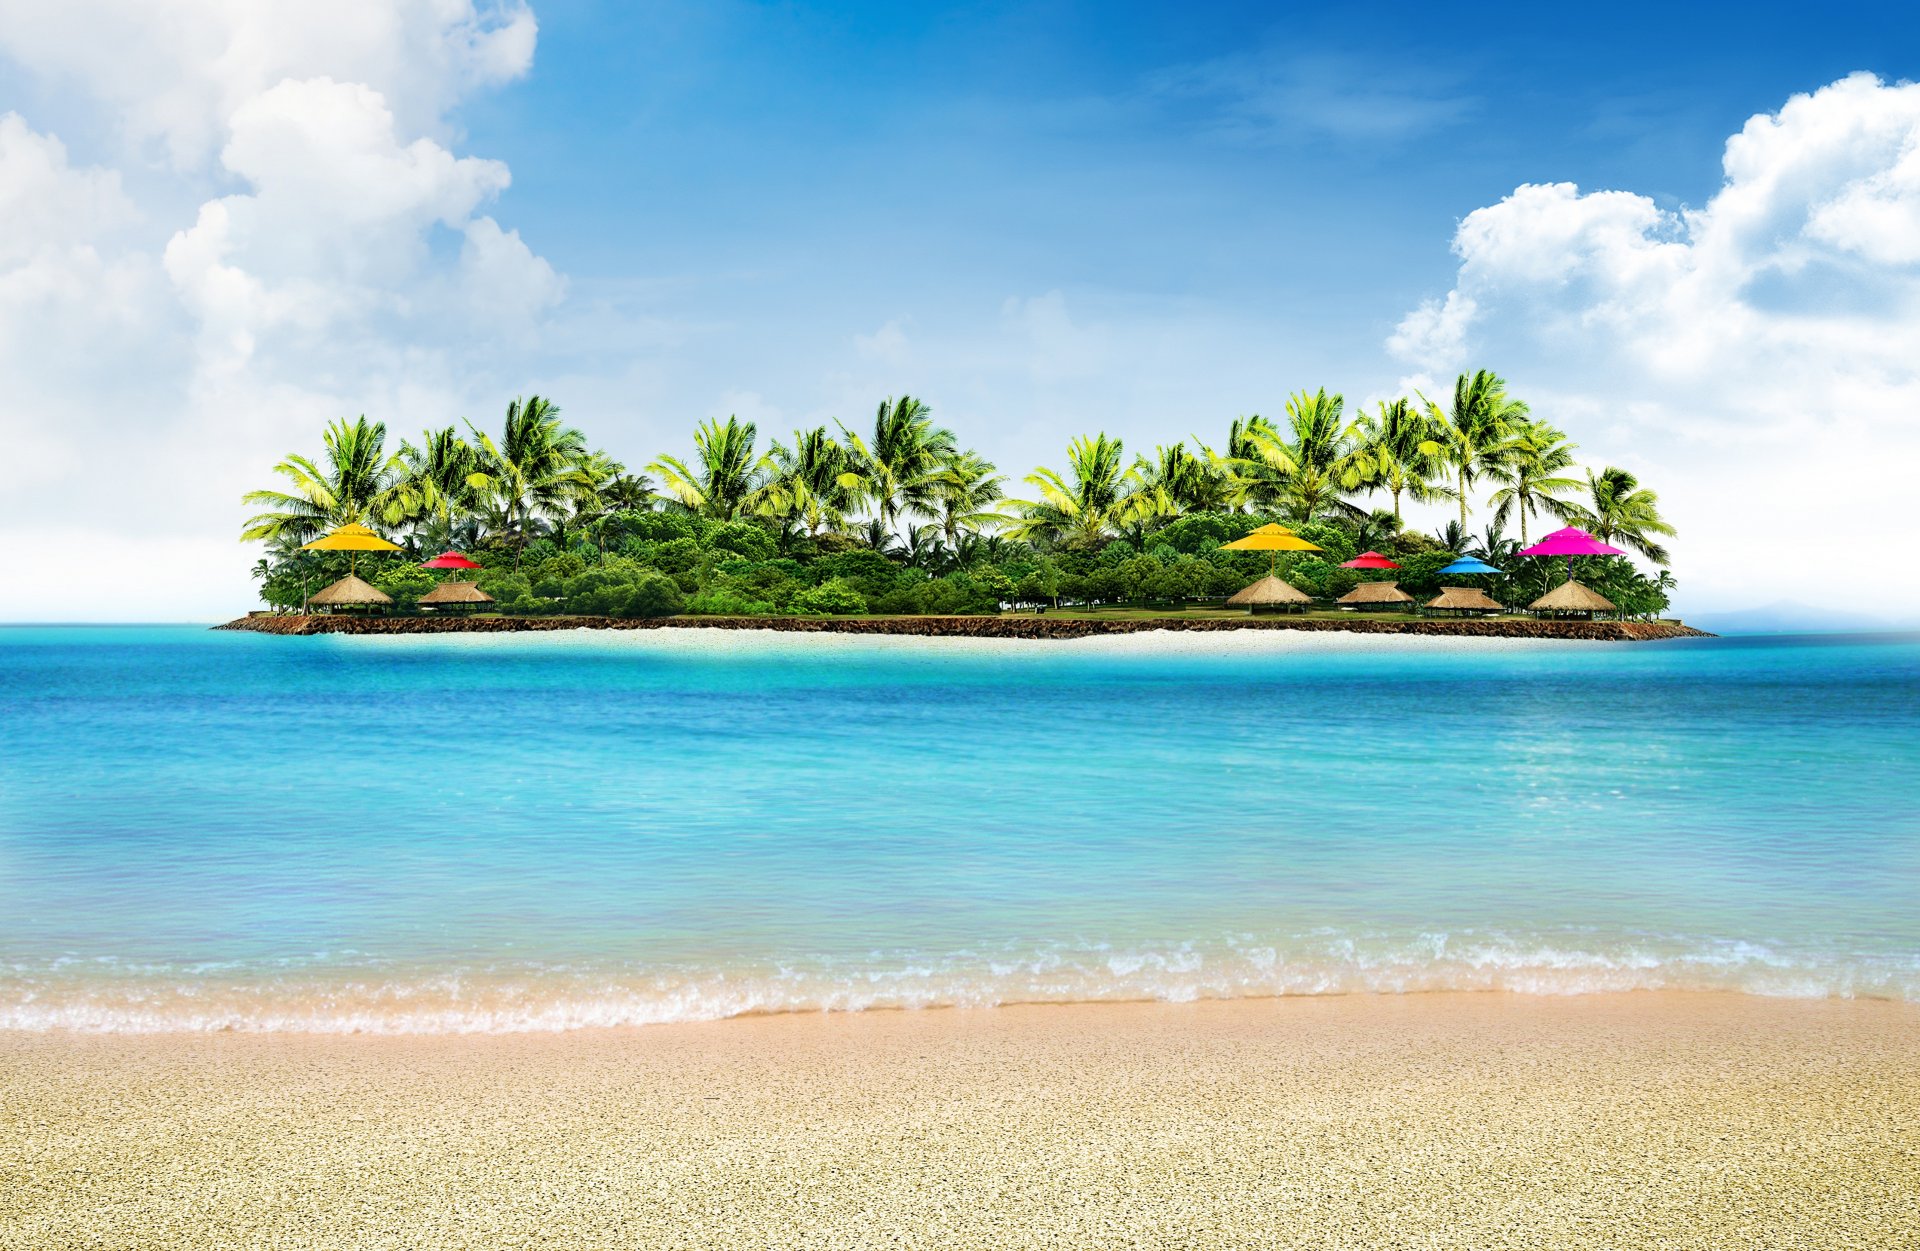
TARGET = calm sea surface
(203,830)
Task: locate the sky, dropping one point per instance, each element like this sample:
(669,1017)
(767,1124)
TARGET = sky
(1688,235)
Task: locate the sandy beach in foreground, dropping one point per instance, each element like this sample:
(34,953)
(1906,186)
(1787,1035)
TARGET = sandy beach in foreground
(1447,1120)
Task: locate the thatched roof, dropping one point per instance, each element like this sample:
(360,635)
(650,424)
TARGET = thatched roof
(456,593)
(349,590)
(1463,597)
(1376,593)
(1571,596)
(1268,590)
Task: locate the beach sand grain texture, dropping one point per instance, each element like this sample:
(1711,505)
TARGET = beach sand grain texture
(1432,1121)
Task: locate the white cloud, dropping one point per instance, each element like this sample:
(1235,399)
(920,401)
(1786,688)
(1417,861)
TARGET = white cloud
(338,262)
(174,73)
(1757,358)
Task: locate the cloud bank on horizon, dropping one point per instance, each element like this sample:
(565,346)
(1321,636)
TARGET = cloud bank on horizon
(1758,356)
(275,224)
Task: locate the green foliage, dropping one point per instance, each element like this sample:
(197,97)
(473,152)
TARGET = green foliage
(749,540)
(835,597)
(869,573)
(904,519)
(726,601)
(405,583)
(655,527)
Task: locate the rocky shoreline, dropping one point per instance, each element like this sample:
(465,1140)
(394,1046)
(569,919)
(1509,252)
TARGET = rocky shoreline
(969,627)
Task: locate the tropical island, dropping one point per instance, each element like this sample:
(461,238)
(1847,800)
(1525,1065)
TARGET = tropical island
(897,527)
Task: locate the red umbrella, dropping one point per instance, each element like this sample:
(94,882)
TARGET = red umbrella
(1369,560)
(450,560)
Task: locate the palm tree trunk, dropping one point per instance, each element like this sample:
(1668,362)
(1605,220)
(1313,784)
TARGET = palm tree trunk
(1463,498)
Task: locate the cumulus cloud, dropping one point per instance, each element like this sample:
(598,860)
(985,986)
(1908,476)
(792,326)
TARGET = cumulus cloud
(340,260)
(173,74)
(1756,357)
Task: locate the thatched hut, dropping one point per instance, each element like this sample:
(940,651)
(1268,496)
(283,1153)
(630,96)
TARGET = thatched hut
(1269,594)
(350,592)
(455,597)
(1571,599)
(1462,599)
(1371,595)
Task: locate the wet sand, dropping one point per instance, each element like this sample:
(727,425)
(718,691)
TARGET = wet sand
(1430,1121)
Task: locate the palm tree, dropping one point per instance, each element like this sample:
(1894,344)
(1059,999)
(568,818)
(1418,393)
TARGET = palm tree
(811,484)
(592,496)
(964,490)
(898,462)
(1309,468)
(876,536)
(1183,482)
(730,477)
(1475,436)
(1096,496)
(1619,510)
(1531,473)
(532,471)
(434,486)
(355,483)
(1396,453)
(631,493)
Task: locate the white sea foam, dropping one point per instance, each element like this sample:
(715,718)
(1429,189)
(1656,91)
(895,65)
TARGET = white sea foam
(495,1000)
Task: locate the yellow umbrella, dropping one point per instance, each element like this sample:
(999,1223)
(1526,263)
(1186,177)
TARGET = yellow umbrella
(352,537)
(1272,539)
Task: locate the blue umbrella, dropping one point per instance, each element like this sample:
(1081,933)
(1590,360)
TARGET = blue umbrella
(1469,564)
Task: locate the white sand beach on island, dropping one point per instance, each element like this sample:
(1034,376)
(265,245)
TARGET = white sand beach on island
(1647,1120)
(827,643)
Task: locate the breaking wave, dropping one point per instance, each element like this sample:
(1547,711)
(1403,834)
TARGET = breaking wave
(341,995)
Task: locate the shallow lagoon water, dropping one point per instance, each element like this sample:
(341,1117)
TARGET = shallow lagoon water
(211,830)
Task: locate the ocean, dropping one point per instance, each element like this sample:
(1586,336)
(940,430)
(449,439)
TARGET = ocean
(210,831)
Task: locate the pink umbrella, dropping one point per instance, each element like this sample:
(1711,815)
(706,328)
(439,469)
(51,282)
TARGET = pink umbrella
(1369,560)
(1570,542)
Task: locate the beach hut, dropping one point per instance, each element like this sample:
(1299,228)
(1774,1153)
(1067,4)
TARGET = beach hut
(455,597)
(1462,599)
(1371,595)
(1268,595)
(350,592)
(1571,599)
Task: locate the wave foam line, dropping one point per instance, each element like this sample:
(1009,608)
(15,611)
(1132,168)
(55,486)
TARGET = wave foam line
(491,1001)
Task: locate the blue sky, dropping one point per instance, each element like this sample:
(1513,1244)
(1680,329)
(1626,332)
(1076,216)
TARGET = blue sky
(877,157)
(1045,218)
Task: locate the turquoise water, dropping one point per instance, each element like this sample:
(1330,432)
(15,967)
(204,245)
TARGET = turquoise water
(209,830)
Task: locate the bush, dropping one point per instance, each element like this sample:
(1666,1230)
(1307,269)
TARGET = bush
(834,597)
(1199,533)
(742,537)
(638,527)
(651,595)
(728,601)
(406,584)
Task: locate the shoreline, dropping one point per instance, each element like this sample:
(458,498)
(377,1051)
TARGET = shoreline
(1005,627)
(1450,1119)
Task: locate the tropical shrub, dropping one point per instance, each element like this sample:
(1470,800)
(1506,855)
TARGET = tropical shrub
(835,597)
